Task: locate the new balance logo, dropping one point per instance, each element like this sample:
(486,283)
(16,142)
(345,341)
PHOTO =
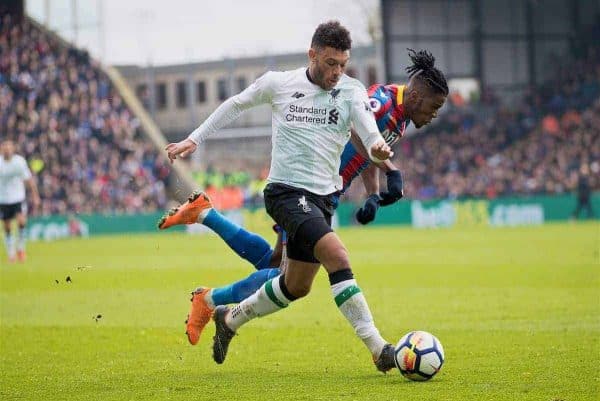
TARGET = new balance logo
(334,115)
(304,204)
(298,95)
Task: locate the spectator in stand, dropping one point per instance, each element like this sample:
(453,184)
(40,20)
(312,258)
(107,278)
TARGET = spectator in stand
(72,126)
(583,194)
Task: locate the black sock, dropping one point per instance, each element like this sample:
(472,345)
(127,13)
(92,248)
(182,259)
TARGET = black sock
(285,290)
(340,275)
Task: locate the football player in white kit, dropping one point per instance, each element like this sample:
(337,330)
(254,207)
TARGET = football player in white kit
(313,109)
(14,173)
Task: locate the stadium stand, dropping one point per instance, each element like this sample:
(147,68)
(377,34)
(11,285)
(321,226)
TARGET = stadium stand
(486,150)
(85,145)
(72,126)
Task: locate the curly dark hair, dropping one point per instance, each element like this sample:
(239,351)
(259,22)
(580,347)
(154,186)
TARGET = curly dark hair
(332,34)
(423,65)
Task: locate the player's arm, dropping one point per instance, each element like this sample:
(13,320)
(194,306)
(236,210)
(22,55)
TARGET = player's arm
(395,190)
(33,189)
(366,128)
(395,186)
(29,180)
(385,165)
(260,92)
(370,179)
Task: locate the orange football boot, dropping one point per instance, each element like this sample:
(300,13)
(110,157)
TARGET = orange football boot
(200,315)
(21,256)
(186,213)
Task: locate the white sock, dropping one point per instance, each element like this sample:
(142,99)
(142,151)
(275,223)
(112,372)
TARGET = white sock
(9,244)
(266,300)
(353,305)
(21,239)
(202,215)
(209,299)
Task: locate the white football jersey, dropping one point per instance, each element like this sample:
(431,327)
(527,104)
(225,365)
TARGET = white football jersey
(310,125)
(12,175)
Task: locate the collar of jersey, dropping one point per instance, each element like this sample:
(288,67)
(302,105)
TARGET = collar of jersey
(400,100)
(313,82)
(400,94)
(310,79)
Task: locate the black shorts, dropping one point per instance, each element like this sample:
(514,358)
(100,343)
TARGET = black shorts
(306,218)
(10,210)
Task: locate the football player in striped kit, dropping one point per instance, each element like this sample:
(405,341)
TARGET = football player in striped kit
(274,295)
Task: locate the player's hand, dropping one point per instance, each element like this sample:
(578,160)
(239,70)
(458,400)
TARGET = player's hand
(366,214)
(381,151)
(395,190)
(181,149)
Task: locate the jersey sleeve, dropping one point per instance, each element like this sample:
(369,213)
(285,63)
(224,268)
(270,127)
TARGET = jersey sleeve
(373,89)
(364,120)
(260,92)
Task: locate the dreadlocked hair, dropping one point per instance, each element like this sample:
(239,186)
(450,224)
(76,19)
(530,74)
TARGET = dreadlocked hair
(423,68)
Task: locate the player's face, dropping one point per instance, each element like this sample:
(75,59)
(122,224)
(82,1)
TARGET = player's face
(327,66)
(7,149)
(428,109)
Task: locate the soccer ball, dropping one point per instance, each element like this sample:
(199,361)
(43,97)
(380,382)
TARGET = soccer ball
(419,355)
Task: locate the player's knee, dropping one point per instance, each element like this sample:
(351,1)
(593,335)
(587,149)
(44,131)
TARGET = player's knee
(331,252)
(338,256)
(21,221)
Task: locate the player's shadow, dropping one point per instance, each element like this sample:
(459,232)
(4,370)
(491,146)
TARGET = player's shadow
(395,379)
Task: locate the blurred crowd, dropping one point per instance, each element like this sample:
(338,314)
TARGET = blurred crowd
(540,146)
(88,153)
(232,189)
(69,122)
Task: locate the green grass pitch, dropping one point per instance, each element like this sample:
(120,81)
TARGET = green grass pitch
(517,310)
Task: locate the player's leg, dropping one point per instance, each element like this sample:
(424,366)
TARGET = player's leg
(311,237)
(240,290)
(271,297)
(275,294)
(290,208)
(198,209)
(277,255)
(350,300)
(204,300)
(249,246)
(9,241)
(8,213)
(21,218)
